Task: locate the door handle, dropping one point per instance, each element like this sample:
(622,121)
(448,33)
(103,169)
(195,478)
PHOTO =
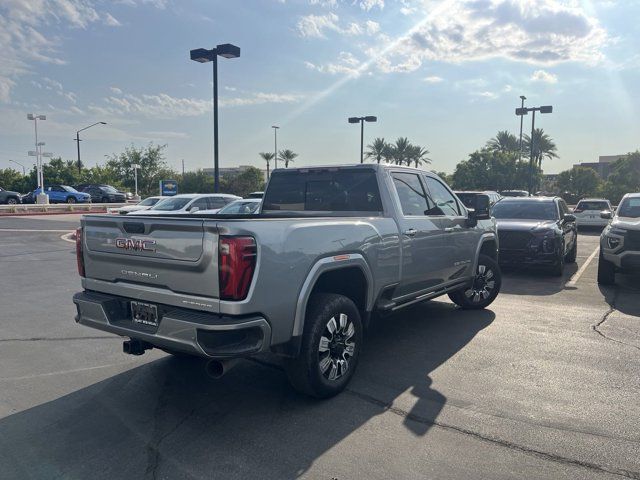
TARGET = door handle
(449,229)
(410,232)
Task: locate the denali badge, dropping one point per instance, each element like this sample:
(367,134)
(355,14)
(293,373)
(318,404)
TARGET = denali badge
(136,244)
(133,273)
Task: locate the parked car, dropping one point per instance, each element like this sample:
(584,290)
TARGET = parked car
(620,240)
(587,212)
(104,193)
(189,203)
(514,193)
(9,197)
(469,197)
(62,194)
(28,198)
(536,231)
(330,247)
(244,206)
(145,204)
(255,195)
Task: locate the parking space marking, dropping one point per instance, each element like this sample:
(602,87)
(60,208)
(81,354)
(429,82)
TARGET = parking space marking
(576,276)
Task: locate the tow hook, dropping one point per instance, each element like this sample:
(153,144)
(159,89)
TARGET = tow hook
(135,347)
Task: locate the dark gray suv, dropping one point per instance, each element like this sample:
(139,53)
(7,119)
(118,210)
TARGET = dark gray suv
(8,197)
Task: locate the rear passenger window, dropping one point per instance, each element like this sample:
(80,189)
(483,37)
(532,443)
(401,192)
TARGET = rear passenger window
(216,202)
(443,198)
(413,198)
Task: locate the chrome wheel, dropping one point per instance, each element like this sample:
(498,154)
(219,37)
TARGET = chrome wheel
(336,347)
(483,284)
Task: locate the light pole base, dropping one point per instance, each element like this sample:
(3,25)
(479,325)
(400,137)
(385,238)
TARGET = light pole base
(42,199)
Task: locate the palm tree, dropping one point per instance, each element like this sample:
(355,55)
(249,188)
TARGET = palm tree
(267,156)
(287,156)
(504,142)
(401,150)
(543,146)
(418,155)
(377,149)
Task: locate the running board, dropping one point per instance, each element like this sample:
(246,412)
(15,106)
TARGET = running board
(393,306)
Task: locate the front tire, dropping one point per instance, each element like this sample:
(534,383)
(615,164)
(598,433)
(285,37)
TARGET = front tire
(71,199)
(606,271)
(330,348)
(12,201)
(558,269)
(485,288)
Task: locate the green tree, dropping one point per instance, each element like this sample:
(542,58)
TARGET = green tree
(267,157)
(448,179)
(399,151)
(250,180)
(543,147)
(504,142)
(13,180)
(196,182)
(377,150)
(287,156)
(624,177)
(153,167)
(417,155)
(580,181)
(492,170)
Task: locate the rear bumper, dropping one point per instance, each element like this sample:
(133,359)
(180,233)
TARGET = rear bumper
(189,331)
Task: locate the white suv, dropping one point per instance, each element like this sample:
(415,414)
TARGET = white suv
(588,210)
(620,241)
(188,203)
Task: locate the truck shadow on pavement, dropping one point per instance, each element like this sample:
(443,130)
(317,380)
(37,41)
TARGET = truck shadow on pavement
(534,281)
(167,419)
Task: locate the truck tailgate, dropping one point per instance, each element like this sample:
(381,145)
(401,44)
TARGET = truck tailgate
(175,255)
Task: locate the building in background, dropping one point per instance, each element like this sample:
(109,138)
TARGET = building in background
(231,171)
(603,166)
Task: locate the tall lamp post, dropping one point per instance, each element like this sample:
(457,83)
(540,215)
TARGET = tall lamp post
(202,55)
(77,139)
(135,167)
(24,172)
(523,111)
(523,98)
(361,120)
(275,146)
(42,197)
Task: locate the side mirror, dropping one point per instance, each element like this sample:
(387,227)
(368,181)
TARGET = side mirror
(606,215)
(194,209)
(481,207)
(569,217)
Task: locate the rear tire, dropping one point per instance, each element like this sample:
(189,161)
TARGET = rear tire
(573,253)
(606,271)
(485,288)
(330,348)
(104,200)
(71,199)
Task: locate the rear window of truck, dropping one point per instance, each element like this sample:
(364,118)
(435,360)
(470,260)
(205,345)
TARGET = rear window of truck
(326,190)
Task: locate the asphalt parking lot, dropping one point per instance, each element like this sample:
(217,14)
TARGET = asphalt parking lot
(543,384)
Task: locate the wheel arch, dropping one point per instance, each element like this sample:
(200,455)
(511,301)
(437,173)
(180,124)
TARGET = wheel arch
(488,245)
(347,275)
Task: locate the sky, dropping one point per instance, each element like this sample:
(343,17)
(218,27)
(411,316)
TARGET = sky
(445,74)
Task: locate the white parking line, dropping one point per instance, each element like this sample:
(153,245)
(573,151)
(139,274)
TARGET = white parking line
(576,276)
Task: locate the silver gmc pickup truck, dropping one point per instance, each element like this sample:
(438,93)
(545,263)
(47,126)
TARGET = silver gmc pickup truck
(330,247)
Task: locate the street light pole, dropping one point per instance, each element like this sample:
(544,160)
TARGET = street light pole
(202,55)
(361,120)
(523,98)
(24,172)
(135,167)
(275,146)
(523,111)
(78,141)
(42,197)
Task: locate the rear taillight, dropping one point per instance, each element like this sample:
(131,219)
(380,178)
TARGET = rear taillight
(236,264)
(79,256)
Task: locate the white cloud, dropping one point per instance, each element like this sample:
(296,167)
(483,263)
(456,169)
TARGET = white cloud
(165,106)
(543,32)
(110,20)
(364,4)
(347,64)
(25,37)
(544,76)
(116,90)
(369,4)
(56,87)
(433,79)
(316,26)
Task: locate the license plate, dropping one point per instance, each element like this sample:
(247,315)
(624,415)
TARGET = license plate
(144,313)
